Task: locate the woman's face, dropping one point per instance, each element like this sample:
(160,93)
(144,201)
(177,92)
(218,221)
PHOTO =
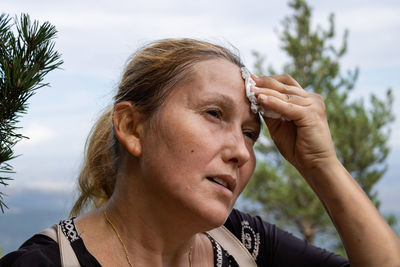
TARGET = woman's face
(200,156)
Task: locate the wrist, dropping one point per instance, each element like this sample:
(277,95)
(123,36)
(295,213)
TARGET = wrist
(327,176)
(321,168)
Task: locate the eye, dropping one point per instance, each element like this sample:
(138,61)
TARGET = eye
(253,135)
(215,112)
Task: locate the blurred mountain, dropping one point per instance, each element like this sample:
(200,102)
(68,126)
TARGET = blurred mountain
(30,211)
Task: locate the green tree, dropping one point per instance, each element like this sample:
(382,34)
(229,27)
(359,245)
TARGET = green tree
(26,55)
(360,132)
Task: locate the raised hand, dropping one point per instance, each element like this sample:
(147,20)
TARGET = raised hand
(303,138)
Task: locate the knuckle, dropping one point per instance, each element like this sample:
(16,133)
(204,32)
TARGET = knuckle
(319,103)
(318,97)
(290,106)
(286,89)
(287,77)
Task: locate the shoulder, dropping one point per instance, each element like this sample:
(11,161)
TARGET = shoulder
(250,231)
(272,246)
(39,250)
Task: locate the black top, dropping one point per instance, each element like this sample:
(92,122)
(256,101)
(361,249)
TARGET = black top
(269,245)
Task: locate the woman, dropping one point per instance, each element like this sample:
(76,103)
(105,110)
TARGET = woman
(167,162)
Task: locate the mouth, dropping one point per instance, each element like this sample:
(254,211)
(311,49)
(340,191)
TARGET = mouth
(226,181)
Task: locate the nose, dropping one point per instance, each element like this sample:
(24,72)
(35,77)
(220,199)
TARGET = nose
(236,151)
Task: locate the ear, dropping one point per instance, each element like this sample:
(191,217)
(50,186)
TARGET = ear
(128,127)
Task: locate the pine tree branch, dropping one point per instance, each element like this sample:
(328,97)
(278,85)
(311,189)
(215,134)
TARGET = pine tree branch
(25,59)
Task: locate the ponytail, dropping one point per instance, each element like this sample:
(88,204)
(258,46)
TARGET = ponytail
(97,178)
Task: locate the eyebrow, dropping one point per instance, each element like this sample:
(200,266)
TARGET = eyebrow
(221,98)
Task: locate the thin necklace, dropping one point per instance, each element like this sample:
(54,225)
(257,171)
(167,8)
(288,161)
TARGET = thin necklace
(119,237)
(123,244)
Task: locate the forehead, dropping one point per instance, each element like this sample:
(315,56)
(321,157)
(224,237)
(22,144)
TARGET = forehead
(219,72)
(216,78)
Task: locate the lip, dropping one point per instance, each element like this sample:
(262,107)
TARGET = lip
(227,178)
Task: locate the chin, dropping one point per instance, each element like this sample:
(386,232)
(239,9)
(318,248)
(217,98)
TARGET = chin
(215,216)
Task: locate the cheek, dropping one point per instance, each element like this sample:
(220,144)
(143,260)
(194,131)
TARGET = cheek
(246,171)
(182,150)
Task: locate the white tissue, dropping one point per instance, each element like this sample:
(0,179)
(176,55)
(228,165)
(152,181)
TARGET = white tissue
(255,107)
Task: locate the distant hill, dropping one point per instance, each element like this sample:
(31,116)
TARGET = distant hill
(31,210)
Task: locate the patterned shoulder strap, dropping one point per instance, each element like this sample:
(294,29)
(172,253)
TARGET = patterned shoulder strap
(67,254)
(222,235)
(234,247)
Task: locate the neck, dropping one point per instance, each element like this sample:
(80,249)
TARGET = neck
(154,235)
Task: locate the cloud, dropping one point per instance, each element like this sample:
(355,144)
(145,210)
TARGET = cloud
(37,134)
(371,18)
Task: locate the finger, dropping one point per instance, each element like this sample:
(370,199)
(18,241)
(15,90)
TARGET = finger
(289,110)
(295,99)
(272,83)
(294,112)
(283,78)
(286,79)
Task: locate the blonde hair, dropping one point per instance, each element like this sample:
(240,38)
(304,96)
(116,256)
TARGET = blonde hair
(147,80)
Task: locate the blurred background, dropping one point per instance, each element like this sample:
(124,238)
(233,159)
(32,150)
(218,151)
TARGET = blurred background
(96,38)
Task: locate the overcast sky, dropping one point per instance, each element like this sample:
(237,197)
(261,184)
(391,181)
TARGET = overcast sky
(95,39)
